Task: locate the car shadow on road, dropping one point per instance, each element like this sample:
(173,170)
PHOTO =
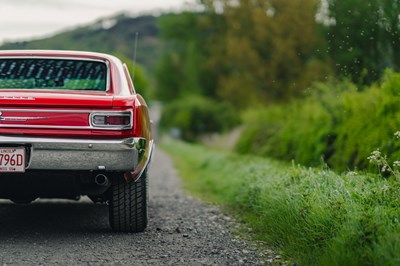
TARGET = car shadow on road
(53,217)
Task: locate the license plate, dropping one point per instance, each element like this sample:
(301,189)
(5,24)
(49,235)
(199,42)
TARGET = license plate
(12,160)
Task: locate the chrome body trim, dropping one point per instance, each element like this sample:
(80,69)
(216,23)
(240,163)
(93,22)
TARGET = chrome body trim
(50,110)
(90,113)
(21,119)
(125,155)
(144,159)
(50,127)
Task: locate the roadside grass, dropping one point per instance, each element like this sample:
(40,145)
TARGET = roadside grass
(313,216)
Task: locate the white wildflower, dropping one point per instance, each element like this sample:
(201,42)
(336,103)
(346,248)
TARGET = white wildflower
(397,134)
(375,156)
(396,163)
(351,173)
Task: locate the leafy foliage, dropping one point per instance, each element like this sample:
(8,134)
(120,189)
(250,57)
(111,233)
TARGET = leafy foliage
(256,52)
(261,53)
(181,71)
(194,116)
(248,54)
(336,123)
(363,37)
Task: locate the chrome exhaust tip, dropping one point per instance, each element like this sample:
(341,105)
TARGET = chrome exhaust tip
(101,180)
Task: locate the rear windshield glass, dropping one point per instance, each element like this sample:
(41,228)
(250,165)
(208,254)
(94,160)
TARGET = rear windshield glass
(58,74)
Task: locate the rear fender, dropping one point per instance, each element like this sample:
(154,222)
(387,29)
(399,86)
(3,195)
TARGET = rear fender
(142,130)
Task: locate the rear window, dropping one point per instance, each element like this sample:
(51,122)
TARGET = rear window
(57,74)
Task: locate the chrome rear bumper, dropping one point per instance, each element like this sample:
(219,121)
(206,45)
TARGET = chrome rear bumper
(127,155)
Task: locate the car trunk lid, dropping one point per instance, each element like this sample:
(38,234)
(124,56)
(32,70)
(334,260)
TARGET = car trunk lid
(52,110)
(55,99)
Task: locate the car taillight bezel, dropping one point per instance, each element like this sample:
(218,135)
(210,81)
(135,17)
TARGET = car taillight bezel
(96,125)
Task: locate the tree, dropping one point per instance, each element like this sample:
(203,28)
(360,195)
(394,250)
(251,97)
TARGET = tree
(264,50)
(247,52)
(180,71)
(364,37)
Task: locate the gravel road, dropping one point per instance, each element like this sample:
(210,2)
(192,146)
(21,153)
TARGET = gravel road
(181,231)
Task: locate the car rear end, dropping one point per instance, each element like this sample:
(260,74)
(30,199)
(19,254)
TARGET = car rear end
(71,124)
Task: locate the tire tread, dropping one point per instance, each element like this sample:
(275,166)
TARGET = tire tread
(128,205)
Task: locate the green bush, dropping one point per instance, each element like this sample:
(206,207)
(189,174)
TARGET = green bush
(195,116)
(287,134)
(336,123)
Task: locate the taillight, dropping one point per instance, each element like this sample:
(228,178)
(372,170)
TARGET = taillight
(111,120)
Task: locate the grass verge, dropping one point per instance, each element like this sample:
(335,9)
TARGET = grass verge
(314,216)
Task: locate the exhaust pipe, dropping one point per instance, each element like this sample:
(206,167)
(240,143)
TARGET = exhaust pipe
(101,180)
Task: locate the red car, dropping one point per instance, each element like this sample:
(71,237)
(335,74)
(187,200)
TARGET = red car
(71,124)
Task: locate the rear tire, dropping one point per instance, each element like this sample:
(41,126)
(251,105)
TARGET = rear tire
(128,204)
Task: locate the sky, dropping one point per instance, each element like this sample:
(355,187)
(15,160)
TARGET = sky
(27,19)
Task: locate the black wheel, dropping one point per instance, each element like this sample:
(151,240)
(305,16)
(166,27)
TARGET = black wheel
(128,204)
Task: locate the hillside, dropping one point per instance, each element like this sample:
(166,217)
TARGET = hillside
(115,35)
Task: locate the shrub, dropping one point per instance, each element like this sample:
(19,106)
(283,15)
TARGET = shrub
(293,132)
(337,123)
(195,116)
